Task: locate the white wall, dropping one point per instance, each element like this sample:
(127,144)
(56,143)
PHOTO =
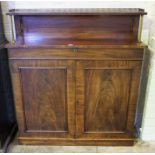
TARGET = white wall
(148,37)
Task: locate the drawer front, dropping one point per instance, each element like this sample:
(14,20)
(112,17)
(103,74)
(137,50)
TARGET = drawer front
(77,53)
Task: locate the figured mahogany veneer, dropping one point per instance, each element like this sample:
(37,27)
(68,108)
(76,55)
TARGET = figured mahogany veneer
(76,75)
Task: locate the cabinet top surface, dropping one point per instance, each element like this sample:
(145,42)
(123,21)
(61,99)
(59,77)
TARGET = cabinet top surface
(78,11)
(129,46)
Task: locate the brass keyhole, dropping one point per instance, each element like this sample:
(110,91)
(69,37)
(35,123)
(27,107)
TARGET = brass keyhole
(75,50)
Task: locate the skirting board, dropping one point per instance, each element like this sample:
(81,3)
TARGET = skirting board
(77,142)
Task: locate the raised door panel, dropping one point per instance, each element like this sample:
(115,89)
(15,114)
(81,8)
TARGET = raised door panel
(106,98)
(44,93)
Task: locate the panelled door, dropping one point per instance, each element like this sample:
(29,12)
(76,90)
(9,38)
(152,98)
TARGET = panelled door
(106,97)
(45,96)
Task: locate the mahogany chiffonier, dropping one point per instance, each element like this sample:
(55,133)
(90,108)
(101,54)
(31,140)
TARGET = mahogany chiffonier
(76,75)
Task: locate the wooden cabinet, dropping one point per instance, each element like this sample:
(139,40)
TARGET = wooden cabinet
(82,90)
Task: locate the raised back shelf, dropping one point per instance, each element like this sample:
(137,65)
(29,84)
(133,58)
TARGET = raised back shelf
(77,26)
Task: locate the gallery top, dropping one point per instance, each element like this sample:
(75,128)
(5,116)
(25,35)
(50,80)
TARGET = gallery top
(76,27)
(79,11)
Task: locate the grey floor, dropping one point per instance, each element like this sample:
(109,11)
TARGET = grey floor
(139,147)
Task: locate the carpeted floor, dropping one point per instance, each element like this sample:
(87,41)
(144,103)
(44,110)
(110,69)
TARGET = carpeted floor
(139,147)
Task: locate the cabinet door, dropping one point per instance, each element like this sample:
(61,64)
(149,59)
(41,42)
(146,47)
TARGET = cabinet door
(44,92)
(106,97)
